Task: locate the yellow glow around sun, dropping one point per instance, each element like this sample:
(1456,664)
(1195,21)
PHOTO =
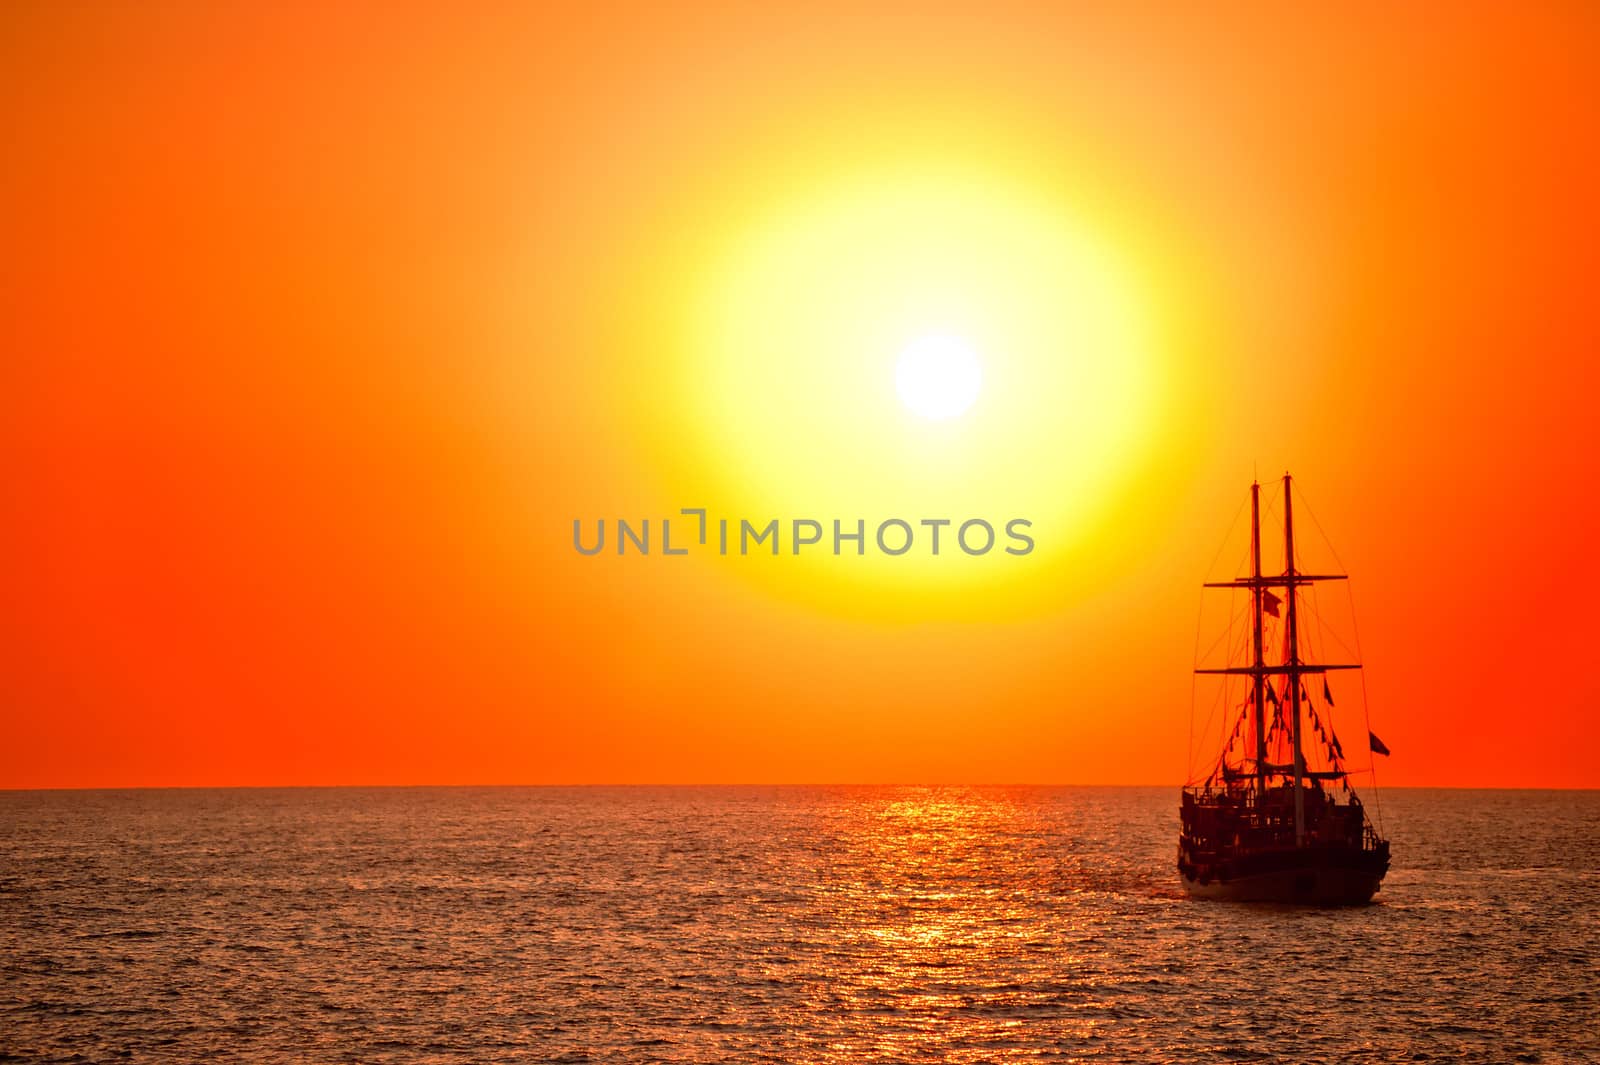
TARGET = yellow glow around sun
(914,344)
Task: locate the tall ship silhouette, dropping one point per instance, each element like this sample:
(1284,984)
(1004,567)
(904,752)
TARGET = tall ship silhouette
(1276,819)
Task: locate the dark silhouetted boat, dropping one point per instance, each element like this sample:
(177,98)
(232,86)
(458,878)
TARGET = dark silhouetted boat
(1266,825)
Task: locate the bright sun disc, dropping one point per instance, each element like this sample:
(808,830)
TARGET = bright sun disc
(1014,337)
(938,376)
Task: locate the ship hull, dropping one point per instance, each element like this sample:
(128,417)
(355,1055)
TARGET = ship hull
(1309,877)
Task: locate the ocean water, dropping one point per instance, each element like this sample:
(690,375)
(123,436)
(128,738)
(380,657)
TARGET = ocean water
(771,924)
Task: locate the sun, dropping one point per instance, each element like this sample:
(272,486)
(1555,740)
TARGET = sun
(938,376)
(909,341)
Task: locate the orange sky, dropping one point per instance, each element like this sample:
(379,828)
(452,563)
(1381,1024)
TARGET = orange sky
(321,326)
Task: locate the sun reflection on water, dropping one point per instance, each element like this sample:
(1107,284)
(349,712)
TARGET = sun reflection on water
(935,902)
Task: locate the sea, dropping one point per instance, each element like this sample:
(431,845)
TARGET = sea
(766,924)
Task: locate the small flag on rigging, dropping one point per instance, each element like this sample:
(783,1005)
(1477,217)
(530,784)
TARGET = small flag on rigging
(1326,694)
(1270,602)
(1376,743)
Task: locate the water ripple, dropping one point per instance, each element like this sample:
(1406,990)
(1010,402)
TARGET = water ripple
(771,925)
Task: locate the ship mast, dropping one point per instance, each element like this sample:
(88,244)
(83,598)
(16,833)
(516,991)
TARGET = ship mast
(1293,662)
(1259,678)
(1292,668)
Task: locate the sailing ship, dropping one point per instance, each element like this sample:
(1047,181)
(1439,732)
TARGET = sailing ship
(1268,824)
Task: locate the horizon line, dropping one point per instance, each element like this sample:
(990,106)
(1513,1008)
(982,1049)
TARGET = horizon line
(614,785)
